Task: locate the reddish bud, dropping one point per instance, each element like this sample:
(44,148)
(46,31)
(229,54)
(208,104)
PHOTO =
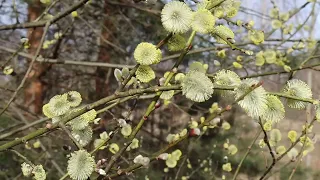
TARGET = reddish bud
(228,108)
(157,105)
(49,126)
(101,162)
(145,118)
(163,156)
(194,132)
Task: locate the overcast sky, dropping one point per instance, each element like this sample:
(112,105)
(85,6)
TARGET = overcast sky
(264,6)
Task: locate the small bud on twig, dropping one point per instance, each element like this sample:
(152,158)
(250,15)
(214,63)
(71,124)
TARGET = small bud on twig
(49,126)
(157,105)
(229,107)
(194,132)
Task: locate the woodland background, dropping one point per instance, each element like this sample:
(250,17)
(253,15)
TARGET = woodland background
(102,38)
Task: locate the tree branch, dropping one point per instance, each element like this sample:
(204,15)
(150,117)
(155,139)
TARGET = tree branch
(246,154)
(83,110)
(304,132)
(151,106)
(29,69)
(43,23)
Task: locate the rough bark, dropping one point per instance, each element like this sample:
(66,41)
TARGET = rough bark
(34,90)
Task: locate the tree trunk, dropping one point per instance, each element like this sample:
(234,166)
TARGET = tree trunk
(33,94)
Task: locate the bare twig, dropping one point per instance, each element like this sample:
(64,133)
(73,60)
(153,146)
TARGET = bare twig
(246,154)
(12,56)
(67,62)
(14,131)
(151,106)
(28,71)
(44,149)
(266,140)
(22,157)
(101,36)
(172,144)
(65,129)
(43,23)
(83,110)
(304,132)
(282,72)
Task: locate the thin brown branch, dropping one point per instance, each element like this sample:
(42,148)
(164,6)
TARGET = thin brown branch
(151,106)
(66,62)
(172,144)
(304,132)
(282,72)
(42,146)
(88,107)
(16,130)
(266,140)
(29,69)
(246,154)
(43,23)
(131,5)
(65,129)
